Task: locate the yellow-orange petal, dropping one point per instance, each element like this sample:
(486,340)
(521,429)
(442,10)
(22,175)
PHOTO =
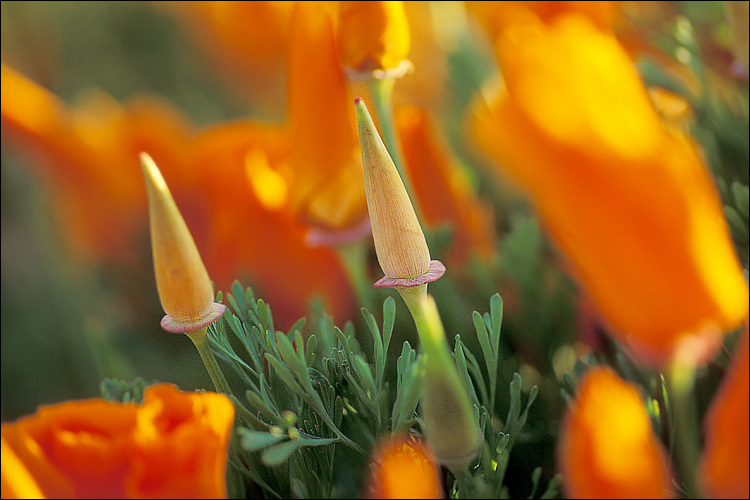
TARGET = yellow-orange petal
(180,444)
(607,448)
(399,241)
(184,287)
(726,454)
(627,199)
(373,35)
(403,467)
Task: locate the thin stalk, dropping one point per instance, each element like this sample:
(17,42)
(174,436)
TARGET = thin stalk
(354,259)
(200,339)
(686,426)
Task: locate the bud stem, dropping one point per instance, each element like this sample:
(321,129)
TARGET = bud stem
(687,429)
(200,339)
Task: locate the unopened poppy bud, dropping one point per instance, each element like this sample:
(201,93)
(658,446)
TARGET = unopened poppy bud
(185,290)
(399,241)
(374,39)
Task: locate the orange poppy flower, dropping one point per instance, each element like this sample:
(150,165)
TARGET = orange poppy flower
(172,446)
(627,199)
(726,456)
(607,448)
(247,237)
(403,467)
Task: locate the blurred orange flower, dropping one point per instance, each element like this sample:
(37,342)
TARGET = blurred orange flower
(403,467)
(96,184)
(246,41)
(627,199)
(726,455)
(607,448)
(172,446)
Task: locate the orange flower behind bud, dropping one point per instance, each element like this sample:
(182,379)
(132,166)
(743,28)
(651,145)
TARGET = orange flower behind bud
(373,36)
(185,290)
(607,448)
(403,467)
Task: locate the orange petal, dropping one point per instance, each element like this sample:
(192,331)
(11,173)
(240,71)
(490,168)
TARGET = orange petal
(726,456)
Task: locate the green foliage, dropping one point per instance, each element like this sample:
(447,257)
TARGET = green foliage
(313,406)
(122,391)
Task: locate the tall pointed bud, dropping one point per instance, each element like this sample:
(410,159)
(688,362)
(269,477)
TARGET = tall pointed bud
(184,287)
(399,241)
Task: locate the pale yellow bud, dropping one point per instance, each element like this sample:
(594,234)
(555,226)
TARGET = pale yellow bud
(399,241)
(182,281)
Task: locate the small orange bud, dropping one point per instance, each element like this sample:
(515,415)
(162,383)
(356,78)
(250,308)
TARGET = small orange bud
(185,290)
(399,241)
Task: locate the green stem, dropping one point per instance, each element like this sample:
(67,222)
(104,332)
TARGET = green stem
(354,258)
(686,426)
(429,326)
(381,91)
(200,339)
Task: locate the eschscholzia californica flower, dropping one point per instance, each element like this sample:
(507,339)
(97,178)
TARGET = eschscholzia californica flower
(403,467)
(326,190)
(726,454)
(626,198)
(374,38)
(607,448)
(172,446)
(185,289)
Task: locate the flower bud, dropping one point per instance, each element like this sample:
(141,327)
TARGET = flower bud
(185,290)
(399,241)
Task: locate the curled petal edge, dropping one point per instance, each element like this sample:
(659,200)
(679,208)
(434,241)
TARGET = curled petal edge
(173,326)
(435,271)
